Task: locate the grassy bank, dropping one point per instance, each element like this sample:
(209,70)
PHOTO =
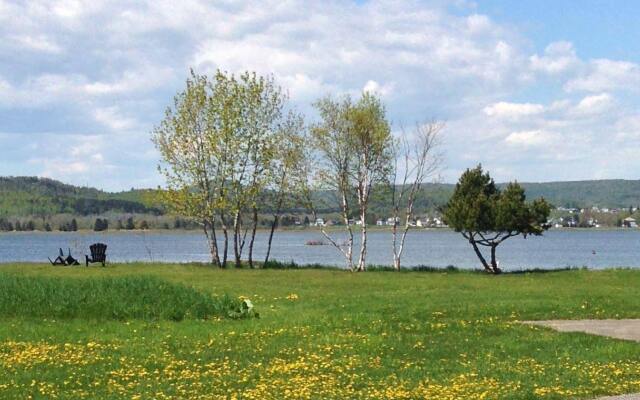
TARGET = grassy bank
(331,334)
(120,298)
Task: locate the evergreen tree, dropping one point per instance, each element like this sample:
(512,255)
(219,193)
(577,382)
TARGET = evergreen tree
(5,225)
(101,225)
(130,224)
(47,227)
(74,225)
(487,216)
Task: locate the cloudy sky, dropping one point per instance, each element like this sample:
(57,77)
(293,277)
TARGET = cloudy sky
(536,90)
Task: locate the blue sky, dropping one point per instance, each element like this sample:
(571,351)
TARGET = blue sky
(535,90)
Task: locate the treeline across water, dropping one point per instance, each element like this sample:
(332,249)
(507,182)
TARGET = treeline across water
(70,223)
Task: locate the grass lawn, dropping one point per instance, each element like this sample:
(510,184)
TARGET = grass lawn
(326,334)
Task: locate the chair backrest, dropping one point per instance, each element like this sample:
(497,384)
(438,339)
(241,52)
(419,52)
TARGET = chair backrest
(98,250)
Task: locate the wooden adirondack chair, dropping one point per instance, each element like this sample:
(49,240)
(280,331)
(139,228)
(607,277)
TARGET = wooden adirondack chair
(98,254)
(62,260)
(59,260)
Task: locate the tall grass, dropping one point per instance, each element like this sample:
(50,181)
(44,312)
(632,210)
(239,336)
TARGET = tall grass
(118,298)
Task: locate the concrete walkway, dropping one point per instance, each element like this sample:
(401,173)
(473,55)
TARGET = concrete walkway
(627,329)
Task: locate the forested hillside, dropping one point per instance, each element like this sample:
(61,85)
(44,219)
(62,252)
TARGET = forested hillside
(31,196)
(617,193)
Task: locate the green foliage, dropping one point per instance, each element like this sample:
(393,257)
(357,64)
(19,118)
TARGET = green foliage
(477,205)
(69,226)
(101,225)
(355,148)
(130,225)
(121,298)
(472,205)
(353,138)
(486,215)
(31,196)
(218,144)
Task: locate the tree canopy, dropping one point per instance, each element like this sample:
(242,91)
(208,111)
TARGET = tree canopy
(487,216)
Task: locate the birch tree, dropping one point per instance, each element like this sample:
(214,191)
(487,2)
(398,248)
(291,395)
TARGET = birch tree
(417,158)
(192,163)
(354,142)
(216,144)
(289,177)
(263,109)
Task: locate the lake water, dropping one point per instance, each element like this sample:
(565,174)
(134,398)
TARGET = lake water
(438,248)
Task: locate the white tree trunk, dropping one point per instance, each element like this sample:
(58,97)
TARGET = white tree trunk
(363,246)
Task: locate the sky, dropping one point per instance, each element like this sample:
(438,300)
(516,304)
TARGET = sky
(540,90)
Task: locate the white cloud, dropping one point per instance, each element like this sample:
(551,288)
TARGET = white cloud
(535,138)
(628,129)
(143,78)
(36,43)
(513,110)
(558,57)
(594,104)
(112,118)
(374,87)
(605,75)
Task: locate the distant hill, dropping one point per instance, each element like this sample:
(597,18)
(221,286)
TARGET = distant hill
(612,193)
(618,193)
(25,196)
(22,196)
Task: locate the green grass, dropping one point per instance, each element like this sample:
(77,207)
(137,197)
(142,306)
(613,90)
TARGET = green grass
(332,334)
(121,298)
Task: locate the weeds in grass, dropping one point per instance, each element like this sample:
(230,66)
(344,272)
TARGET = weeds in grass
(121,298)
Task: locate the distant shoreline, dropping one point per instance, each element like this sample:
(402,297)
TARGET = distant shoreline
(288,229)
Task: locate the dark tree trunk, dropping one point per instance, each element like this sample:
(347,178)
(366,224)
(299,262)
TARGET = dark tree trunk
(274,224)
(486,265)
(253,235)
(236,240)
(494,263)
(225,233)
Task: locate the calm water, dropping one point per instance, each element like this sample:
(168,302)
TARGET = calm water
(439,248)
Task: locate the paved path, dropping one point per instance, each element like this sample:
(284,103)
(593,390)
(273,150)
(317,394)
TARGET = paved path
(628,329)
